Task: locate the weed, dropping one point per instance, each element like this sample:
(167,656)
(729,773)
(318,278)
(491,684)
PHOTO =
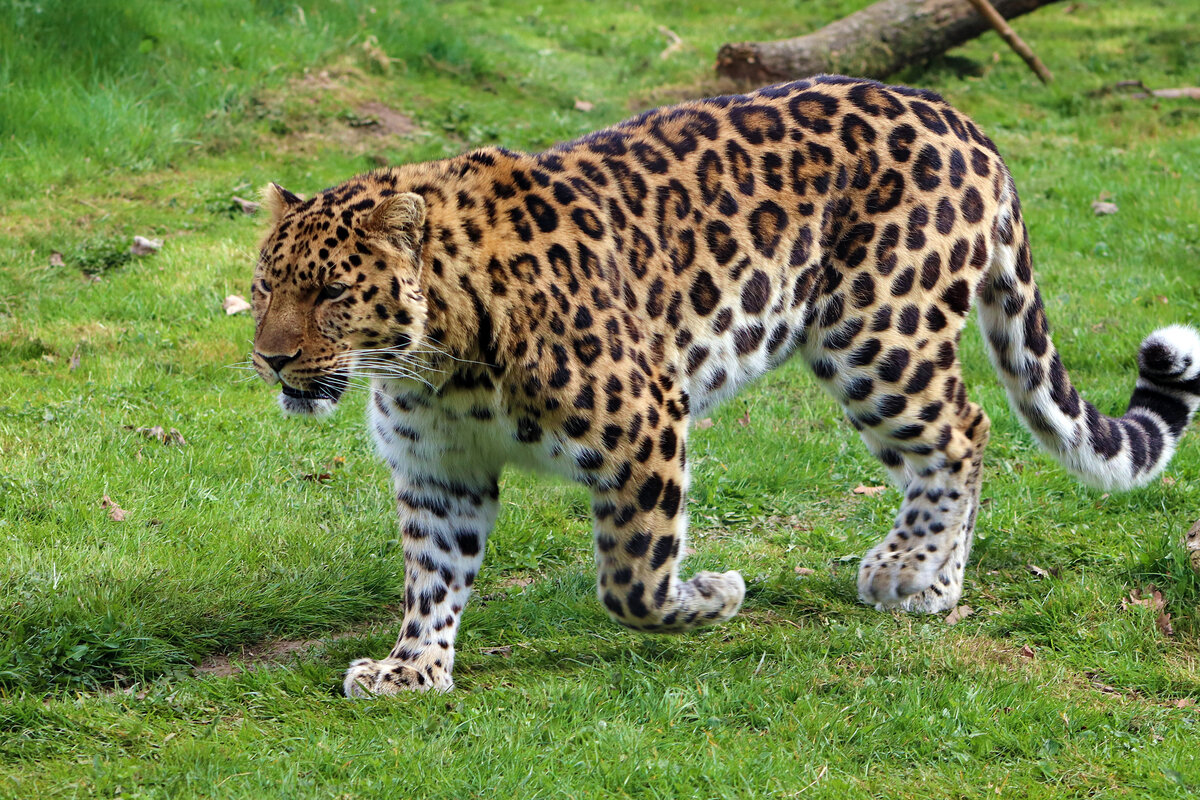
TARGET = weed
(99,255)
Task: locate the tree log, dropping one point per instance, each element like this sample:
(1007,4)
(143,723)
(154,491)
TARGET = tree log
(875,42)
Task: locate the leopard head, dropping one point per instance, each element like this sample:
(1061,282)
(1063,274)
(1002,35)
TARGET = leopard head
(337,289)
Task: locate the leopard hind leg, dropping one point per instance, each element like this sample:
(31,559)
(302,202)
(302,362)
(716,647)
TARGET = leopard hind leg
(919,565)
(909,403)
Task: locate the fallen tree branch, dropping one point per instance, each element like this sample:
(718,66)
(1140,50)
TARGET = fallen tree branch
(1183,93)
(875,42)
(1014,41)
(1144,91)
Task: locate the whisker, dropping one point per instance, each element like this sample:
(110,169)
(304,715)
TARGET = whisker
(398,374)
(434,350)
(386,371)
(359,365)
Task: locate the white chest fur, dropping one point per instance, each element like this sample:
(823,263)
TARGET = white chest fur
(460,434)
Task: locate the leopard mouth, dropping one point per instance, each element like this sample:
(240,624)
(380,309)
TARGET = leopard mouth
(329,388)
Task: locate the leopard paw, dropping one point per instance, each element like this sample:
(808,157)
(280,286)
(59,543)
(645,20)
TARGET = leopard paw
(367,677)
(900,575)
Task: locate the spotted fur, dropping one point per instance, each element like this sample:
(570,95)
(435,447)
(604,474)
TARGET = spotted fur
(572,310)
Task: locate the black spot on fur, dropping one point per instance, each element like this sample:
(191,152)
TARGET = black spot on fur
(704,294)
(972,205)
(756,291)
(926,168)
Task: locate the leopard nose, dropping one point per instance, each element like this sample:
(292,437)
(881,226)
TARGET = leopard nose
(277,363)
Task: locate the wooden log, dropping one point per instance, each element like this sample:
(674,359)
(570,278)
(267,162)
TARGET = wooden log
(874,42)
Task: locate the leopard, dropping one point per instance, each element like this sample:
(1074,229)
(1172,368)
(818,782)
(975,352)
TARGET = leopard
(572,311)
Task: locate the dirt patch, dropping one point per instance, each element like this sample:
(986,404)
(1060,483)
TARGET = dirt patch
(280,651)
(984,653)
(516,583)
(333,108)
(265,655)
(323,81)
(379,119)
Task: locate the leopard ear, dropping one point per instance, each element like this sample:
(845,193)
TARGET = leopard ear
(278,200)
(400,218)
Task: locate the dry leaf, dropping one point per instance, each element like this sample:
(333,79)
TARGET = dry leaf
(144,247)
(318,477)
(744,419)
(503,650)
(1185,702)
(115,512)
(704,424)
(1038,571)
(377,55)
(805,571)
(1102,207)
(235,304)
(583,105)
(247,206)
(56,259)
(959,614)
(1027,652)
(339,460)
(1167,480)
(1094,677)
(1150,597)
(870,491)
(171,436)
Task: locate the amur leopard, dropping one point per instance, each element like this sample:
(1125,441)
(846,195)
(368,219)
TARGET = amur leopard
(573,310)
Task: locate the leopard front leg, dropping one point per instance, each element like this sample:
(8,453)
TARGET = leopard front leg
(444,522)
(640,530)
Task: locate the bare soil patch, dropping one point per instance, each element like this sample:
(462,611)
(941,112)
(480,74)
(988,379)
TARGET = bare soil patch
(375,118)
(267,654)
(333,108)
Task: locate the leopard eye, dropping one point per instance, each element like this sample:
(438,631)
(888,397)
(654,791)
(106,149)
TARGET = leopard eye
(333,291)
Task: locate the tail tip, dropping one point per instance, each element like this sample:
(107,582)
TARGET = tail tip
(1170,355)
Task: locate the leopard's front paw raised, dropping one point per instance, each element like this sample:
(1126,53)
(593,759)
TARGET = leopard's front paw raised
(368,677)
(724,590)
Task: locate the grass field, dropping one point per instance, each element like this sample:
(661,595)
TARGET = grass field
(270,543)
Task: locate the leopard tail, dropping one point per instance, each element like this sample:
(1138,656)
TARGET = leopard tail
(1107,452)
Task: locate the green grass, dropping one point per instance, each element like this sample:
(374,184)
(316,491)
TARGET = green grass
(146,118)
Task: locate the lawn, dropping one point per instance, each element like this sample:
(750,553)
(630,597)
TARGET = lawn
(187,638)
